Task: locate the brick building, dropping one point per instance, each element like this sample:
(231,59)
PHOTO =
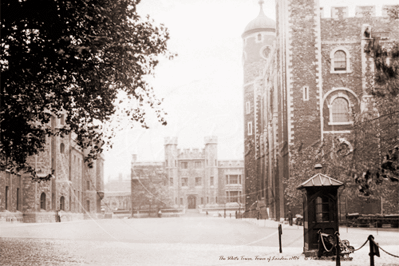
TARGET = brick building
(303,78)
(75,188)
(196,178)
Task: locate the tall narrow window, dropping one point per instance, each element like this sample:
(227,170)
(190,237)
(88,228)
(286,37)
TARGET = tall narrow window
(339,61)
(18,199)
(62,203)
(248,107)
(306,93)
(88,185)
(6,198)
(184,165)
(259,37)
(88,205)
(340,111)
(211,180)
(249,128)
(43,201)
(198,181)
(62,147)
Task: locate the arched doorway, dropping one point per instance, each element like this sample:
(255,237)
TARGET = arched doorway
(191,199)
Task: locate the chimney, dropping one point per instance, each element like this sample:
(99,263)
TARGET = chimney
(318,168)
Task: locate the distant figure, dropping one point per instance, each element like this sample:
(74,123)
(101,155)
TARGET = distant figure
(57,216)
(206,212)
(160,213)
(290,218)
(236,215)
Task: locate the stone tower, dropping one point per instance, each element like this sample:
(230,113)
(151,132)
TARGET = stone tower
(258,41)
(211,167)
(171,164)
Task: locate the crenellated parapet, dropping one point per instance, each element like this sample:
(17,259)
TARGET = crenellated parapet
(191,153)
(342,12)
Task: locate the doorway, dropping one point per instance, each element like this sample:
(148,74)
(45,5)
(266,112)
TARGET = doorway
(191,202)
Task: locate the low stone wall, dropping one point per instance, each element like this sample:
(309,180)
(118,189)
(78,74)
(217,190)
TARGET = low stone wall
(7,216)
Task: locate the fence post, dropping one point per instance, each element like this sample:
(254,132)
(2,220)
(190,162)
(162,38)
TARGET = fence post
(280,232)
(371,254)
(338,259)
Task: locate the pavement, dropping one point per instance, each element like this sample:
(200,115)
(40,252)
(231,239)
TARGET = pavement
(189,240)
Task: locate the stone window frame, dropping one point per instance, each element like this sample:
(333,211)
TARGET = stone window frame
(249,128)
(62,147)
(62,203)
(198,181)
(43,201)
(305,90)
(348,59)
(248,107)
(330,105)
(185,184)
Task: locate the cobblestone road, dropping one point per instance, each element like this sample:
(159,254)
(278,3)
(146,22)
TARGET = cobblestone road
(171,241)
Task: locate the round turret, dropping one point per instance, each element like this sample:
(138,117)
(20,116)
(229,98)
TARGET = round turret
(260,23)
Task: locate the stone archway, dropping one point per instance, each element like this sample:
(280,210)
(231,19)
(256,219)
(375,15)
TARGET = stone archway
(191,200)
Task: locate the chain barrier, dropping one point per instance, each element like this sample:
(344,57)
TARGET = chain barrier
(386,251)
(362,245)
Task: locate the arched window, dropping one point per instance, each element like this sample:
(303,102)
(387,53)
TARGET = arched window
(340,111)
(259,37)
(62,203)
(43,201)
(339,61)
(62,147)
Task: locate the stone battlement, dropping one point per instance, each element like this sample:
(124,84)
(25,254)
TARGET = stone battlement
(342,12)
(171,141)
(231,163)
(211,140)
(190,153)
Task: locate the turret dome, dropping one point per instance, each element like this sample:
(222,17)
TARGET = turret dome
(260,23)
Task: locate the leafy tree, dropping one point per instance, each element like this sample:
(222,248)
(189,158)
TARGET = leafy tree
(73,58)
(150,187)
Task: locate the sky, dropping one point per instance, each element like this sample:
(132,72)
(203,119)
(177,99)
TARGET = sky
(202,86)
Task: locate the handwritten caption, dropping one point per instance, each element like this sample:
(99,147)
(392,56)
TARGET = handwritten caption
(268,259)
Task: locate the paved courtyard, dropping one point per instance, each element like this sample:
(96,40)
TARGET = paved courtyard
(173,241)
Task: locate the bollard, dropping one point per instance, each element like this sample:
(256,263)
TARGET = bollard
(338,259)
(374,251)
(280,232)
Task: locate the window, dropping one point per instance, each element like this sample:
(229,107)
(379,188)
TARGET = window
(88,185)
(62,203)
(323,210)
(340,111)
(249,128)
(306,93)
(339,61)
(184,182)
(197,164)
(184,165)
(248,107)
(43,201)
(259,37)
(6,198)
(211,180)
(62,147)
(239,179)
(18,199)
(233,179)
(233,196)
(198,181)
(88,205)
(171,181)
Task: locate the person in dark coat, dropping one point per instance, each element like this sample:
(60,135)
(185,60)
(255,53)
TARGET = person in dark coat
(290,218)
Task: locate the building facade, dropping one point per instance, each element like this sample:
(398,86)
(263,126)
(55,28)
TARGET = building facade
(304,77)
(196,178)
(75,188)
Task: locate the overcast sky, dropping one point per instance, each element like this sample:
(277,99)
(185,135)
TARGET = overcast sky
(202,87)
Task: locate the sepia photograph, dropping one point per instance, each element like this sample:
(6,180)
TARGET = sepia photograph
(199,132)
